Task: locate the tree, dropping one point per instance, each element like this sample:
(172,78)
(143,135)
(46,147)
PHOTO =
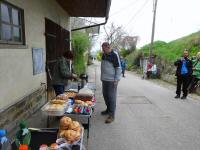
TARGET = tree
(114,35)
(119,39)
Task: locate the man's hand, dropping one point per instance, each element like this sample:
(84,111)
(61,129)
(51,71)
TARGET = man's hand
(193,69)
(116,83)
(74,76)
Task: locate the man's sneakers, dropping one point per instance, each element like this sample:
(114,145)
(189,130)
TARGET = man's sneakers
(110,119)
(177,96)
(183,97)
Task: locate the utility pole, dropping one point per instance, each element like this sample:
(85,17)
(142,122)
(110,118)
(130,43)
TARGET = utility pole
(153,29)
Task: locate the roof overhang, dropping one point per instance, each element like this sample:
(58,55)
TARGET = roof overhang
(86,8)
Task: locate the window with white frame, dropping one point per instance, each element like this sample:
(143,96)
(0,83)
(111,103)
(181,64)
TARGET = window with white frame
(11,24)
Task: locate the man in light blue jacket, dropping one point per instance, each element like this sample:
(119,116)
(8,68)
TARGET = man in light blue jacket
(110,76)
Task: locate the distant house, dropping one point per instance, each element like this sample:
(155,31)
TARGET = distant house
(129,42)
(34,33)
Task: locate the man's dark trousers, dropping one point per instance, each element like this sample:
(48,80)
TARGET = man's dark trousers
(59,89)
(110,95)
(182,81)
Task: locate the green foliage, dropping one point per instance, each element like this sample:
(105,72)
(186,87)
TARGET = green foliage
(169,52)
(23,136)
(99,55)
(124,52)
(133,60)
(174,49)
(80,44)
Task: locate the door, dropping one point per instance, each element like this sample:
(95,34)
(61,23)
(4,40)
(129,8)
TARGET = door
(57,42)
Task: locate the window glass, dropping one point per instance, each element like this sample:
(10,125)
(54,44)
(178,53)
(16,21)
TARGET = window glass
(5,13)
(15,16)
(6,32)
(11,27)
(16,34)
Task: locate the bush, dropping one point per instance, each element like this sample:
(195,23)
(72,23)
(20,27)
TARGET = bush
(99,55)
(124,52)
(80,44)
(133,60)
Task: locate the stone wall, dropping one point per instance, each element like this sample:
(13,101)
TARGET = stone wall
(22,110)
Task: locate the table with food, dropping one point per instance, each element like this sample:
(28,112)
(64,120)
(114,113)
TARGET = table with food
(72,104)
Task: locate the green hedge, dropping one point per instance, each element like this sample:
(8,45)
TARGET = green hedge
(80,44)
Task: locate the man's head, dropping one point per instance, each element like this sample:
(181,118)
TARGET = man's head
(186,53)
(106,48)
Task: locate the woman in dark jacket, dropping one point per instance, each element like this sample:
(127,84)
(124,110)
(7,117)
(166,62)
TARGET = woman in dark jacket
(62,73)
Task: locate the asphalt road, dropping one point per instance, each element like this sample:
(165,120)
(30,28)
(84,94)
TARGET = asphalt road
(147,118)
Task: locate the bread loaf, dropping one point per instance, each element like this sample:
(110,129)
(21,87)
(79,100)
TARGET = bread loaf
(79,102)
(55,107)
(75,125)
(72,135)
(56,101)
(65,122)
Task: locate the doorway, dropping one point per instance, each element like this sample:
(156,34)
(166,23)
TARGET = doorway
(57,42)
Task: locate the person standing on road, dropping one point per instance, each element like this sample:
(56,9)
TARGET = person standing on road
(110,76)
(196,72)
(123,66)
(183,73)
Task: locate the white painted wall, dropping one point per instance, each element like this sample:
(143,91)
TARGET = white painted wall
(16,69)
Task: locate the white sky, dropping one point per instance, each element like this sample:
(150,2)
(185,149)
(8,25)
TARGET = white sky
(174,19)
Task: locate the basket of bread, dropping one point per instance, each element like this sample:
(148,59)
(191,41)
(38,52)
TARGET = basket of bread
(55,107)
(70,132)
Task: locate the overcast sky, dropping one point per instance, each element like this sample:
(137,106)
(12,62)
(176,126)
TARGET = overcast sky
(174,19)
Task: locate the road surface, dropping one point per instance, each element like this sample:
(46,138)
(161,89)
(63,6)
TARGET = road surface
(147,118)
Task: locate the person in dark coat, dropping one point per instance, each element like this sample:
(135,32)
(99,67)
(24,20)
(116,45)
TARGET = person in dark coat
(62,72)
(183,73)
(123,66)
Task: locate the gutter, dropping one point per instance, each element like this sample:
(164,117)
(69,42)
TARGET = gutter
(91,25)
(103,23)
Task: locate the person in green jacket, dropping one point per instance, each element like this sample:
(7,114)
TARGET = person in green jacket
(62,73)
(196,73)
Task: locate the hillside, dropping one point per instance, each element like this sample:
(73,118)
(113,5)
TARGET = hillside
(166,54)
(173,50)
